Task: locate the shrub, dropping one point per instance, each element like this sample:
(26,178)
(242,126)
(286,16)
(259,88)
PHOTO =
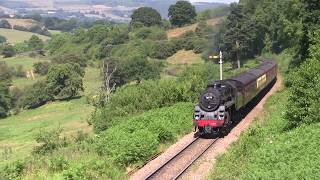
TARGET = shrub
(50,141)
(4,99)
(35,43)
(71,58)
(163,50)
(36,95)
(5,24)
(8,51)
(304,82)
(13,170)
(20,28)
(58,163)
(136,138)
(41,68)
(65,80)
(151,94)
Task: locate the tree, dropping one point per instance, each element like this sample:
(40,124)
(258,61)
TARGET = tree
(5,81)
(4,99)
(147,16)
(3,39)
(5,24)
(36,95)
(65,80)
(182,13)
(71,58)
(310,25)
(8,51)
(239,36)
(41,68)
(35,43)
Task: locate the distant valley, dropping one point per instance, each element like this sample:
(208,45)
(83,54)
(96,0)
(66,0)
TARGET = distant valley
(113,10)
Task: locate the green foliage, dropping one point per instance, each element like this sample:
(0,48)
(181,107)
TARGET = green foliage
(64,81)
(182,13)
(163,50)
(137,138)
(266,151)
(147,16)
(71,58)
(3,39)
(148,95)
(138,69)
(213,13)
(41,68)
(152,33)
(35,43)
(5,24)
(50,141)
(36,95)
(8,51)
(311,10)
(4,99)
(304,83)
(58,163)
(13,170)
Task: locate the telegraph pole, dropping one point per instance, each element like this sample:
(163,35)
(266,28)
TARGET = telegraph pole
(221,68)
(220,56)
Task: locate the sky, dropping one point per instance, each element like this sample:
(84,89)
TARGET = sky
(220,1)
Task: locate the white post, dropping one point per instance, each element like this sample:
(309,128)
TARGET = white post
(221,70)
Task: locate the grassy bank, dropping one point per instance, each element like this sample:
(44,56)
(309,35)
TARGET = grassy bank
(15,36)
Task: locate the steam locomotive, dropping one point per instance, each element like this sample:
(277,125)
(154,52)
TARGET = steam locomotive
(223,100)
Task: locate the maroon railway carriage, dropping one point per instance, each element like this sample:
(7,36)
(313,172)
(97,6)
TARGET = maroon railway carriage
(223,99)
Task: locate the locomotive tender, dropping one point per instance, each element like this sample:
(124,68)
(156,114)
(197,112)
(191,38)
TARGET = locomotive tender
(222,100)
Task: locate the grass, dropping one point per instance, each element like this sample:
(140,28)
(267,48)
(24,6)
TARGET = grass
(269,150)
(22,22)
(177,63)
(185,57)
(53,32)
(26,62)
(17,132)
(15,36)
(174,33)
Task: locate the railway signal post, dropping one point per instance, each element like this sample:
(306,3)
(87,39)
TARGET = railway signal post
(220,56)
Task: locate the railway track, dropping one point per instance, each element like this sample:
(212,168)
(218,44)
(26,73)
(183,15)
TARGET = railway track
(176,166)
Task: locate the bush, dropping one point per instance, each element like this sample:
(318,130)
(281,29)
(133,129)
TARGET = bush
(137,138)
(5,24)
(151,94)
(50,141)
(8,51)
(163,50)
(41,68)
(304,103)
(57,164)
(64,81)
(71,58)
(20,28)
(36,95)
(4,99)
(13,170)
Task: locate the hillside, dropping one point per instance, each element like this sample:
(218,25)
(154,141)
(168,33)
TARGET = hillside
(173,33)
(15,36)
(22,22)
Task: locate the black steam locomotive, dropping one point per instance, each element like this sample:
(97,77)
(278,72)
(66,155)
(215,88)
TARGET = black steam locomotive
(222,100)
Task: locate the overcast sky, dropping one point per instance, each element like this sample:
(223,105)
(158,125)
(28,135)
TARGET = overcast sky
(220,1)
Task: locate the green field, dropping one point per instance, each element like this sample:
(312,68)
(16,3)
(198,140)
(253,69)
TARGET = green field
(26,62)
(17,132)
(15,36)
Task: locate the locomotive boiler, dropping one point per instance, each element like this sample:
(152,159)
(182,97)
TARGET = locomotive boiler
(222,100)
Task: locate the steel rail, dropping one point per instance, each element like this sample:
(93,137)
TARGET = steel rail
(195,159)
(172,158)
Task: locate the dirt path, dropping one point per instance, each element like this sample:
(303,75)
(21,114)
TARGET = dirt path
(205,165)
